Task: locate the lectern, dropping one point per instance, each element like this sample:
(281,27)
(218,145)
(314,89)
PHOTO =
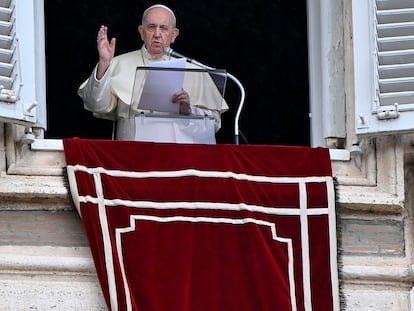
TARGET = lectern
(157,119)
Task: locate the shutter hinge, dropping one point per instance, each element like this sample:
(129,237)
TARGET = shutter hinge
(388,112)
(8,96)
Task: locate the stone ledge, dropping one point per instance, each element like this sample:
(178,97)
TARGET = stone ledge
(369,199)
(52,292)
(46,260)
(381,274)
(34,193)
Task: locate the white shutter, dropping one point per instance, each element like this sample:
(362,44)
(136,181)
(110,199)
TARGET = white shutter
(22,82)
(383,34)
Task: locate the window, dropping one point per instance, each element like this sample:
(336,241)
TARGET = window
(22,64)
(273,70)
(383,35)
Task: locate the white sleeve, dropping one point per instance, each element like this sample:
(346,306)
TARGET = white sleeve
(96,94)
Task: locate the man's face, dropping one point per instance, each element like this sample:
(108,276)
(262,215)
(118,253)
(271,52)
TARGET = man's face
(158,31)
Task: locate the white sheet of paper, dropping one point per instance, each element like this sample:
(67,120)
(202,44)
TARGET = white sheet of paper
(160,85)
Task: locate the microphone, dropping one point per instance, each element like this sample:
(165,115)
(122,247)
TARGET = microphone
(170,52)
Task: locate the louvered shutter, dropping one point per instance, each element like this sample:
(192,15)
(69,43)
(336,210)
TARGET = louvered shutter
(383,35)
(9,77)
(22,85)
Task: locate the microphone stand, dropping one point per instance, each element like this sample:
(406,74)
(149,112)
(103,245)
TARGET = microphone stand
(242,97)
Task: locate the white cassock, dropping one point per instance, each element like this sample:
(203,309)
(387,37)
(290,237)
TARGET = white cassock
(111,97)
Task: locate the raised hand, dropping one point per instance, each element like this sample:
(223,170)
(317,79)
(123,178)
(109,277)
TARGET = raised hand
(106,50)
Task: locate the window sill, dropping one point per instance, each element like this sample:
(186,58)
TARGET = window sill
(47,144)
(57,145)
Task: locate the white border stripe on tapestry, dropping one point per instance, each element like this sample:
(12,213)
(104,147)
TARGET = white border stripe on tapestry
(294,211)
(333,244)
(304,233)
(109,264)
(198,173)
(73,187)
(118,242)
(240,221)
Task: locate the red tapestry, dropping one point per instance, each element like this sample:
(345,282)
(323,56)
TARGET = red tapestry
(207,227)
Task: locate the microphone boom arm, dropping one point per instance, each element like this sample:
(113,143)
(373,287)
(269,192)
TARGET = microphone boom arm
(242,97)
(170,52)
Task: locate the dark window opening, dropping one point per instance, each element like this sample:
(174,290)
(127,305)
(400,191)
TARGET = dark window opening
(263,44)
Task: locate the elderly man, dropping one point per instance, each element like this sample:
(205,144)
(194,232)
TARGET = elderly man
(108,91)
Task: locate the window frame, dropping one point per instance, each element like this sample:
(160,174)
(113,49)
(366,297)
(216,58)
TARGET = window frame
(326,73)
(319,111)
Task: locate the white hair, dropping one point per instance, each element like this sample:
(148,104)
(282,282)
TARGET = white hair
(144,15)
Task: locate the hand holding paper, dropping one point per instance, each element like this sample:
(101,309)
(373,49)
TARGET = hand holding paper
(161,85)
